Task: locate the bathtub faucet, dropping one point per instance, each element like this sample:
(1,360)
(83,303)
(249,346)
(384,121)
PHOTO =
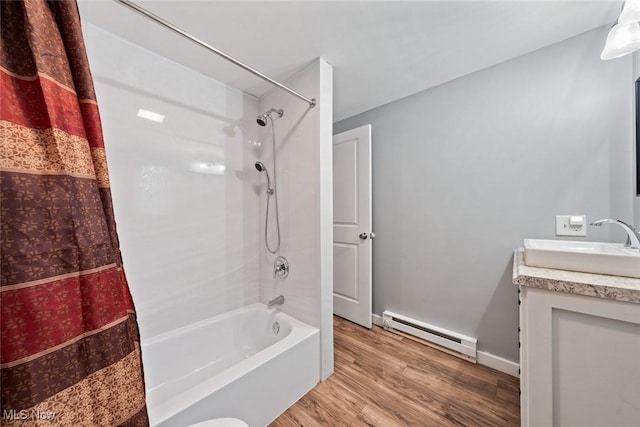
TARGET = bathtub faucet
(276,301)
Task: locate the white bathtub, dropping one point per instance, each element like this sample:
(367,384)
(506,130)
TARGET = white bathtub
(232,365)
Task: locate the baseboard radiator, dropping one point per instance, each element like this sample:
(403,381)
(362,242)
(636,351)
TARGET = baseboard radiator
(459,344)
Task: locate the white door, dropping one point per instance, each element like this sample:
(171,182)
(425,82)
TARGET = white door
(352,232)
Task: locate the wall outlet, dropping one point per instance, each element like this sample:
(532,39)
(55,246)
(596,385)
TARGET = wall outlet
(571,225)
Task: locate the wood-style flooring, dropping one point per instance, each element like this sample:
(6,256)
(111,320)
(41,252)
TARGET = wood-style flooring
(382,379)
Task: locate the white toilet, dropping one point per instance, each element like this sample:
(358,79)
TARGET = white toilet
(221,422)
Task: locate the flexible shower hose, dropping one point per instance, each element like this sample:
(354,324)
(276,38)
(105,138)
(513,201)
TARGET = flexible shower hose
(275,196)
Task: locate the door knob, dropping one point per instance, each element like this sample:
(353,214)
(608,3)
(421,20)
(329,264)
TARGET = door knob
(363,236)
(372,235)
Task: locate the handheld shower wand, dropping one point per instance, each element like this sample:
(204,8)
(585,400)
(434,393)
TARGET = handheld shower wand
(270,192)
(262,168)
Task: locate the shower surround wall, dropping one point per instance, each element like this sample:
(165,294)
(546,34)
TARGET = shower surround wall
(186,210)
(304,187)
(189,202)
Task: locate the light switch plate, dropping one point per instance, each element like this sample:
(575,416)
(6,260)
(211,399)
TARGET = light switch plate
(565,228)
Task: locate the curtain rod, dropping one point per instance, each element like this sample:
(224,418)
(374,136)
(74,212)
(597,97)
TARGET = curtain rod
(140,10)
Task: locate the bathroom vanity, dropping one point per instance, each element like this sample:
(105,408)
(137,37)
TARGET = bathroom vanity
(579,347)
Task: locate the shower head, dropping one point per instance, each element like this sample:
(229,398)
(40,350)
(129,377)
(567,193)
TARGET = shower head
(262,168)
(262,118)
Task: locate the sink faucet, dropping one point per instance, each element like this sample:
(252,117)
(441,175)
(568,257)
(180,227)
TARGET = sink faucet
(633,237)
(279,300)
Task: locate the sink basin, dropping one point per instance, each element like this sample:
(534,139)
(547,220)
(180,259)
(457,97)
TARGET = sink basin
(588,257)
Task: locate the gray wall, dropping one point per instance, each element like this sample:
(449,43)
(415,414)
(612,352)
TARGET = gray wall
(464,171)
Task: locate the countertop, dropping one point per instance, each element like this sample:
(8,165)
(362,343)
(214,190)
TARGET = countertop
(596,285)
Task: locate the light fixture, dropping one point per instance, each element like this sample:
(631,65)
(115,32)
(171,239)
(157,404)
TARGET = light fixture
(150,115)
(624,37)
(630,12)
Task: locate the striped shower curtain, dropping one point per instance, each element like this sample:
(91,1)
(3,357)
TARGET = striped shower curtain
(70,352)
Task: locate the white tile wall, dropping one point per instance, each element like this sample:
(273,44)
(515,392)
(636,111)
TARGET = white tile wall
(189,202)
(185,207)
(303,146)
(297,191)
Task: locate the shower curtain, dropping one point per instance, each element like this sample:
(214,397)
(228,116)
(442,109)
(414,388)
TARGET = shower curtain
(70,349)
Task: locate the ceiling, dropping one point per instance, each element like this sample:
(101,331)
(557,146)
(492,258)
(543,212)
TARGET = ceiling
(380,51)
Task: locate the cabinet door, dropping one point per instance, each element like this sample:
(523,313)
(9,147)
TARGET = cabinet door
(581,366)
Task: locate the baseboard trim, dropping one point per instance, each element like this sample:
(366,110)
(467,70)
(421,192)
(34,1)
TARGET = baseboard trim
(376,320)
(483,358)
(498,363)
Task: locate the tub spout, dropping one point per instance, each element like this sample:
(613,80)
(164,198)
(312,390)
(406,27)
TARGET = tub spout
(276,301)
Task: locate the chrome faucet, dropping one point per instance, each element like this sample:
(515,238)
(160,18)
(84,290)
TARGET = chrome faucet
(633,237)
(280,267)
(279,300)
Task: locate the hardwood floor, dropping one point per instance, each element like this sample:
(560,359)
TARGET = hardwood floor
(382,379)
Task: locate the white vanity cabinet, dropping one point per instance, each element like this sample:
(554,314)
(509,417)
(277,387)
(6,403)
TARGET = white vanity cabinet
(579,348)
